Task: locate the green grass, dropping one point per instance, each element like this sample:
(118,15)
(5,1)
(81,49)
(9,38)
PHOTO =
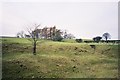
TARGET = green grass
(58,59)
(69,40)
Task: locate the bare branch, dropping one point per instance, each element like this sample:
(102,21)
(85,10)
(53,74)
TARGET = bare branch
(37,27)
(30,32)
(33,34)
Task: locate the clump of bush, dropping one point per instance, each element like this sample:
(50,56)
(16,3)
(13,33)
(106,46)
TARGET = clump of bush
(57,38)
(79,40)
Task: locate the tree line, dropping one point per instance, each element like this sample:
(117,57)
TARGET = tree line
(51,33)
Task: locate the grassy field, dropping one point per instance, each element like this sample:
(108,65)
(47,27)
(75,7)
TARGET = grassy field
(58,59)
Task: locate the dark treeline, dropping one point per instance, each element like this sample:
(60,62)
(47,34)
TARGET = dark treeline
(101,41)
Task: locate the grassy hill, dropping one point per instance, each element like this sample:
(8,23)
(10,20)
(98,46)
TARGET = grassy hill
(58,59)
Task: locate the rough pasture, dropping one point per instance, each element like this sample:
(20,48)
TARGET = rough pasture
(58,59)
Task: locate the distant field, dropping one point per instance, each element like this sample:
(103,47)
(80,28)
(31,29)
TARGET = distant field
(66,59)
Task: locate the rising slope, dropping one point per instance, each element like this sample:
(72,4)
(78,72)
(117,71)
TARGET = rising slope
(58,60)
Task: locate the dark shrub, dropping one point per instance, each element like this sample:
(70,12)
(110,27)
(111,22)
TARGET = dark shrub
(57,38)
(97,39)
(78,40)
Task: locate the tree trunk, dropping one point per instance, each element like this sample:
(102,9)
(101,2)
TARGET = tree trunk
(106,40)
(34,48)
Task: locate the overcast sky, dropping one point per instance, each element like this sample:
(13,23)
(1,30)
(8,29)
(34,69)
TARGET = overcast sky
(83,19)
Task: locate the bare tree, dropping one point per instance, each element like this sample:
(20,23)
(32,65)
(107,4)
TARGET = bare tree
(33,32)
(20,34)
(64,34)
